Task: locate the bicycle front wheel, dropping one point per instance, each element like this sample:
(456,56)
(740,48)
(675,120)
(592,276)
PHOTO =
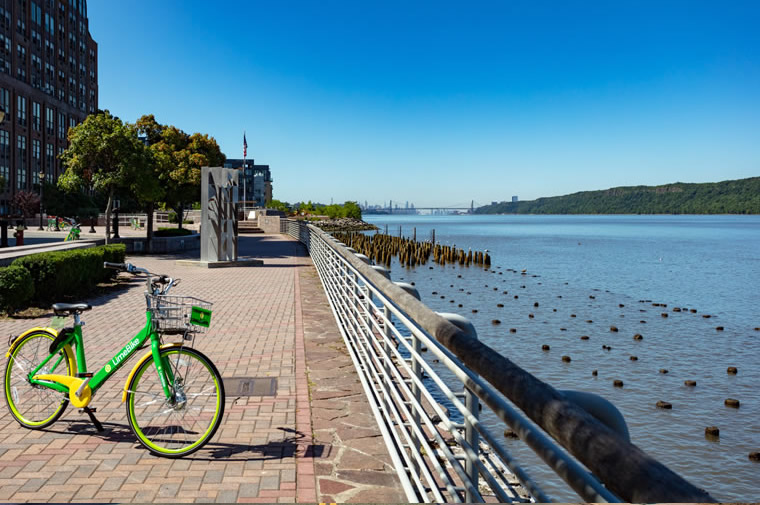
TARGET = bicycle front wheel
(181,424)
(35,406)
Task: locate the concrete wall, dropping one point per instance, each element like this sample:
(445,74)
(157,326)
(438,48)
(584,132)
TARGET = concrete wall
(270,224)
(162,245)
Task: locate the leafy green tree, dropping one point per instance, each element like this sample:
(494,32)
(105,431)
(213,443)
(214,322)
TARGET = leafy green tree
(177,161)
(352,209)
(104,153)
(278,205)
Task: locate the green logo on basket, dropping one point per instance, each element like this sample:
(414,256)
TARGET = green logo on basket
(200,317)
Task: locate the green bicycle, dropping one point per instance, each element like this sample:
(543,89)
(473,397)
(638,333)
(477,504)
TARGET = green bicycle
(74,232)
(174,395)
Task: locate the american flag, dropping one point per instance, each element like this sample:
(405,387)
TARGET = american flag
(245,146)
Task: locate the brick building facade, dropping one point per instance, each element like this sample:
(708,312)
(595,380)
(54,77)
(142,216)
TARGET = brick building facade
(48,83)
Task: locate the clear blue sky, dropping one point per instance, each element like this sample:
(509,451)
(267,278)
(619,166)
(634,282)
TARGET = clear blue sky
(442,102)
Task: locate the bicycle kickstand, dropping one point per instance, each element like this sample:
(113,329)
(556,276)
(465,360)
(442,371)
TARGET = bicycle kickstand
(91,412)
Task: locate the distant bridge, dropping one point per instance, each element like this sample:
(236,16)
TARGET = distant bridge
(413,210)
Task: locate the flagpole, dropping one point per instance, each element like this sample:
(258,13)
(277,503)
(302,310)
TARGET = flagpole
(245,152)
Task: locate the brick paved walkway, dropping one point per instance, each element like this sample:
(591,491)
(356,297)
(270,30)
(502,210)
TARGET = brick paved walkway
(314,441)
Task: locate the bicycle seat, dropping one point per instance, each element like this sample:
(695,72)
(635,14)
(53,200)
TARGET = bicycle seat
(71,307)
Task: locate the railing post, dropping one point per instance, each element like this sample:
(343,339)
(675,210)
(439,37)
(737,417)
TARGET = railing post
(417,371)
(471,435)
(472,404)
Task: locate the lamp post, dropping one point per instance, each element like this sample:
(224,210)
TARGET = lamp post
(42,184)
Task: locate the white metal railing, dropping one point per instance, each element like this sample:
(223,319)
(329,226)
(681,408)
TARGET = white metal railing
(448,455)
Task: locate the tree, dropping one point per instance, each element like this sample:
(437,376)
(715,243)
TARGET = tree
(104,154)
(61,203)
(27,202)
(177,161)
(150,132)
(352,209)
(278,205)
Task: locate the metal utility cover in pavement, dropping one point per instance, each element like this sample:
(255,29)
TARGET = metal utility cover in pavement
(250,386)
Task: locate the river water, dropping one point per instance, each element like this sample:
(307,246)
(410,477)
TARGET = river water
(608,271)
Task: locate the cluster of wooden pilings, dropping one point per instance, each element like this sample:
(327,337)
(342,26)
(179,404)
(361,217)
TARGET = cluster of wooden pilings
(381,248)
(444,254)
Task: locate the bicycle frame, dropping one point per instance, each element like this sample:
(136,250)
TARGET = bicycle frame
(73,233)
(82,386)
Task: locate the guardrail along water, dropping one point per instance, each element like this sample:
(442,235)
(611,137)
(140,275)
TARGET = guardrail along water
(446,454)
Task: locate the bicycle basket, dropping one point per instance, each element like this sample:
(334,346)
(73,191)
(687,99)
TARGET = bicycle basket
(178,314)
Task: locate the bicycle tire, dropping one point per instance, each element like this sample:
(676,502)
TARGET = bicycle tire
(34,407)
(157,421)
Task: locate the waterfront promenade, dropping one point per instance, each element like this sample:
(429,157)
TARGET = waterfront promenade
(314,440)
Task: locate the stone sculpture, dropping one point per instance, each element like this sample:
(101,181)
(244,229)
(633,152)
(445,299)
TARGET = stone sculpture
(219,197)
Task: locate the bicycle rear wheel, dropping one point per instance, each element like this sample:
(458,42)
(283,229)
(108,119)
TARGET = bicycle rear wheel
(180,425)
(31,405)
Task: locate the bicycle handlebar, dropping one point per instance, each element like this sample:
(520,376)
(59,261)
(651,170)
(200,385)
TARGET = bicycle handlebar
(153,282)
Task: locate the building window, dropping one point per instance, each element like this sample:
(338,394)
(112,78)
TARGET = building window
(61,125)
(21,21)
(36,40)
(49,120)
(36,161)
(49,159)
(49,24)
(21,162)
(36,116)
(5,18)
(5,101)
(36,13)
(21,110)
(5,157)
(21,70)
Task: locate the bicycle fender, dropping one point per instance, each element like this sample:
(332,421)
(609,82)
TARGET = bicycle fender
(148,355)
(51,331)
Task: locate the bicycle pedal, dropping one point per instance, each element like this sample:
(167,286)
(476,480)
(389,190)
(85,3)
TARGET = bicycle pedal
(87,410)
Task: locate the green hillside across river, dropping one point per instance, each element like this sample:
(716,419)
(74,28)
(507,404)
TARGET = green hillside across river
(740,196)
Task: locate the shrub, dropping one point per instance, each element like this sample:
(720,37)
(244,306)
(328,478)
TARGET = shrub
(172,232)
(16,288)
(64,274)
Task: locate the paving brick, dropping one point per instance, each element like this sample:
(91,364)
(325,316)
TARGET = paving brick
(267,321)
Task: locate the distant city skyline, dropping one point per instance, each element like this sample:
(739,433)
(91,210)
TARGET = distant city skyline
(439,103)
